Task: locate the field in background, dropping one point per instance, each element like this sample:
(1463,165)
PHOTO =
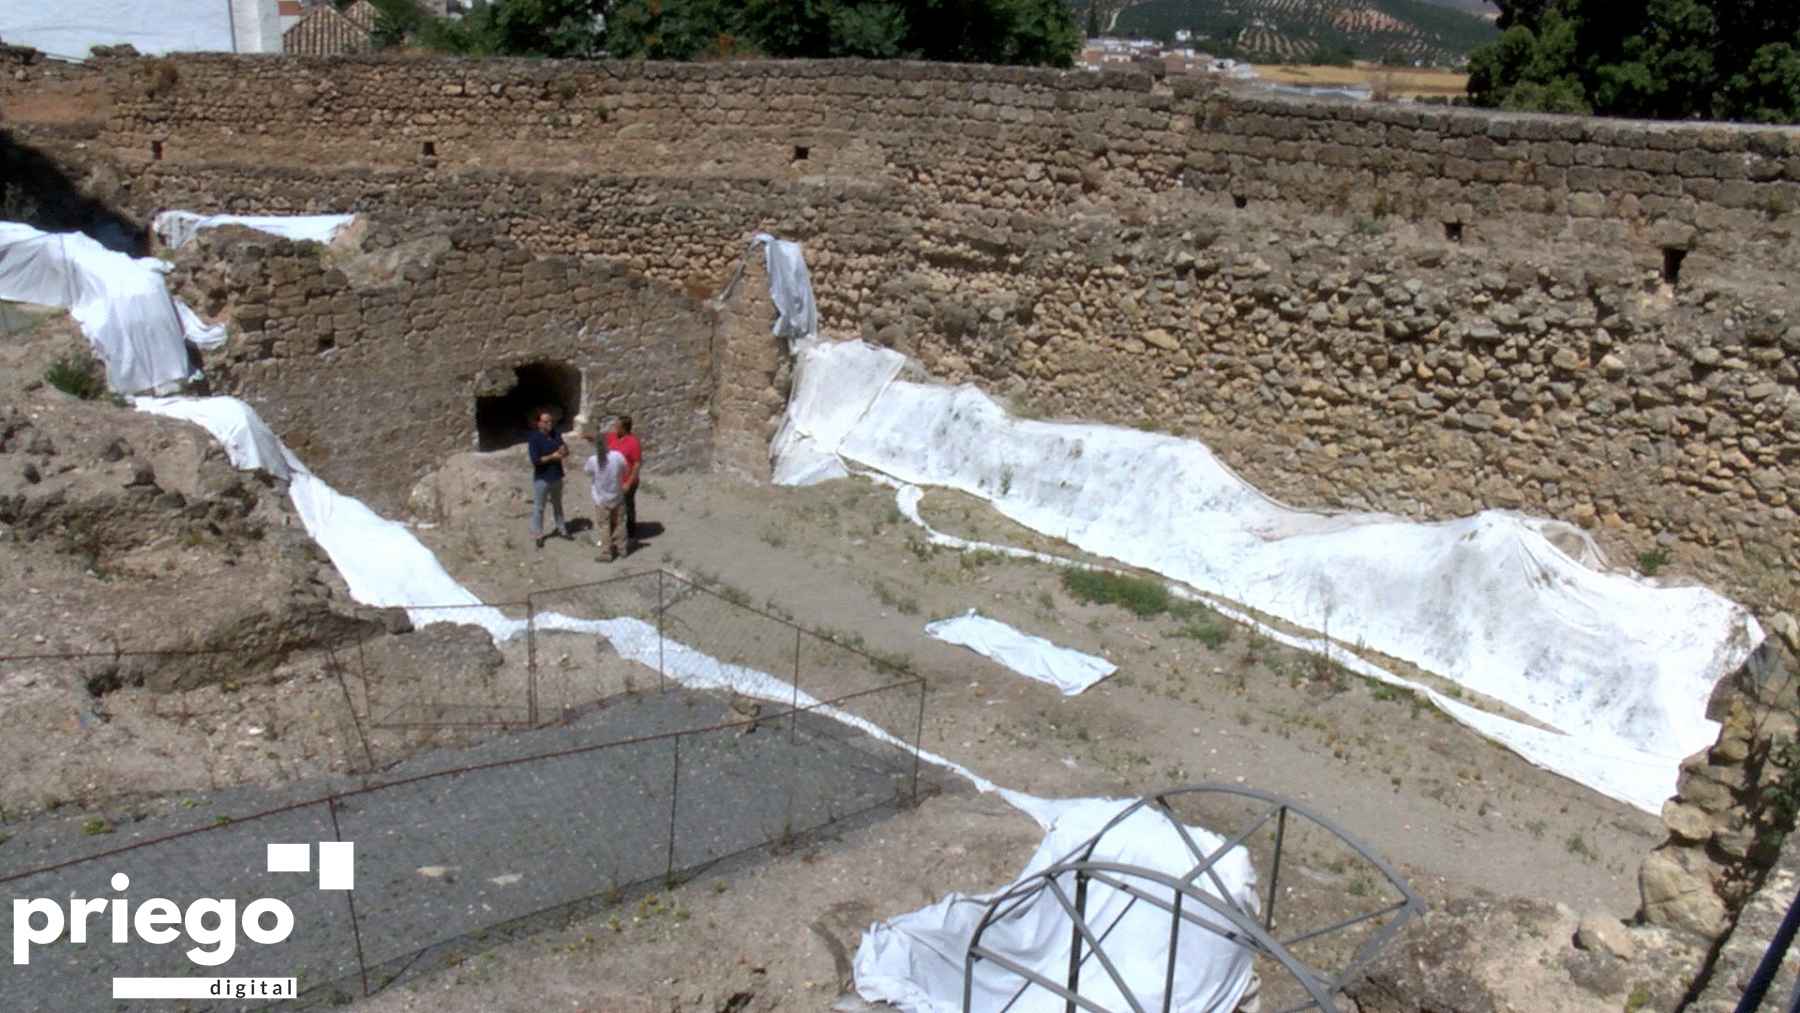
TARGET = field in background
(1397,81)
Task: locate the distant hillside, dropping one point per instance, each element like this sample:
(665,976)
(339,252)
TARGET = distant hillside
(1286,31)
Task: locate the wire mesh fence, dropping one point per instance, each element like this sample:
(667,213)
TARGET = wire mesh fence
(512,767)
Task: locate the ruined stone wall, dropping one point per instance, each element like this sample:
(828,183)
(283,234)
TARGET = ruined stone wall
(368,362)
(969,139)
(1073,242)
(755,373)
(1331,362)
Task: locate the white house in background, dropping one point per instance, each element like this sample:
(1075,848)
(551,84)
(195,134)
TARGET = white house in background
(69,28)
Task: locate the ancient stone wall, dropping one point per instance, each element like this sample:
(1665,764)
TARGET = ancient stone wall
(968,139)
(755,373)
(1606,339)
(368,362)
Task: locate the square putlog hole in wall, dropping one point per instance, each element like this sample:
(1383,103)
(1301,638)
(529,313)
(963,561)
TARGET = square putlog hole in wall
(428,149)
(1453,231)
(1672,258)
(1239,201)
(802,152)
(156,151)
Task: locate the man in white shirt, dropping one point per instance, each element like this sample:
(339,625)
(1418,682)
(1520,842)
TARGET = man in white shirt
(606,476)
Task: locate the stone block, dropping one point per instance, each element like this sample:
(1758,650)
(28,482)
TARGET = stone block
(1679,897)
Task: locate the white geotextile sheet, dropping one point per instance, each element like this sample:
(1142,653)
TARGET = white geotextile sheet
(176,228)
(1487,601)
(121,303)
(1032,657)
(790,288)
(915,961)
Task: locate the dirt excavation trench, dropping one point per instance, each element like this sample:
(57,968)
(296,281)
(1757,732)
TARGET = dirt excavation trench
(1508,857)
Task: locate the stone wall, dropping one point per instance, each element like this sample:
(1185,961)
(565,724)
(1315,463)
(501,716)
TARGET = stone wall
(1726,873)
(755,373)
(1006,140)
(368,361)
(1074,242)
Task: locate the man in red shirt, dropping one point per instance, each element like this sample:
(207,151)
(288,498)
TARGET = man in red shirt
(621,440)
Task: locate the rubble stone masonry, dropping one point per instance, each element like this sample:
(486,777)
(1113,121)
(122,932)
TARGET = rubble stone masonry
(1415,310)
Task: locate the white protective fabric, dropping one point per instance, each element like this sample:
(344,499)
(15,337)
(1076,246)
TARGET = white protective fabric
(121,303)
(915,961)
(830,394)
(1033,657)
(1487,601)
(790,288)
(175,228)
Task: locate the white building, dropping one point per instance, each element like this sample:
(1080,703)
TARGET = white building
(69,28)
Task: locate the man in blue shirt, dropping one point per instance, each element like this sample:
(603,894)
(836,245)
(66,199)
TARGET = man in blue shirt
(547,450)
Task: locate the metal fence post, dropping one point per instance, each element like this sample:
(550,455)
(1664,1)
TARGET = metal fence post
(661,676)
(350,899)
(337,671)
(674,797)
(531,707)
(918,741)
(794,710)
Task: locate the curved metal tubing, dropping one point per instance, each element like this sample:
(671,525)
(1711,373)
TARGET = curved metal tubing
(1242,925)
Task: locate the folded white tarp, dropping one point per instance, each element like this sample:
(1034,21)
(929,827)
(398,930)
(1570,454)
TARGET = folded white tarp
(175,228)
(1488,601)
(121,303)
(790,288)
(915,961)
(1033,657)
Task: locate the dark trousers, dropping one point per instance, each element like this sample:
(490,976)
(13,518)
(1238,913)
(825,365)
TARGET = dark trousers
(631,513)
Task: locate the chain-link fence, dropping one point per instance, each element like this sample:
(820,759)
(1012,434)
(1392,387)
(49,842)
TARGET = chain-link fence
(491,785)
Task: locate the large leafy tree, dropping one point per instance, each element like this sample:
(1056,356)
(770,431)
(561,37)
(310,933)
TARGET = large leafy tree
(1667,59)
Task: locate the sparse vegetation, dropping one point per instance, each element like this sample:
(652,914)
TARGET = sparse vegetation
(80,375)
(1210,629)
(1652,560)
(905,604)
(1140,596)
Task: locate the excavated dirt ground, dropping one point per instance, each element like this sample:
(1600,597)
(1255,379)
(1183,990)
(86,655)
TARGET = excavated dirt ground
(1506,855)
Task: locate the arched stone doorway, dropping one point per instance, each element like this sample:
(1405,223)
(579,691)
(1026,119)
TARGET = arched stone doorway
(503,417)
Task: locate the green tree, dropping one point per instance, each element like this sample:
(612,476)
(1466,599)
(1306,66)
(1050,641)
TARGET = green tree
(1666,59)
(975,31)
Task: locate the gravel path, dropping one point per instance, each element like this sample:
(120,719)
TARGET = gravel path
(448,856)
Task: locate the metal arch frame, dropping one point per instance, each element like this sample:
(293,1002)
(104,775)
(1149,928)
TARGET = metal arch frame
(1241,925)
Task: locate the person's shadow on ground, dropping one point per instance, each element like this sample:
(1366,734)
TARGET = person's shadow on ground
(647,530)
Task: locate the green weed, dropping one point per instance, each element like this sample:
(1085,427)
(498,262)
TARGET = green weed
(1140,596)
(80,375)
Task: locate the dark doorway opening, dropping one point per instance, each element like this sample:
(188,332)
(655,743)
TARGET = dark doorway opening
(1672,258)
(502,420)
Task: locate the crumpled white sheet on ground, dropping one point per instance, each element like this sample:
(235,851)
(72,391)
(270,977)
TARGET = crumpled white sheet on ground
(121,303)
(176,228)
(1032,657)
(915,961)
(1488,601)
